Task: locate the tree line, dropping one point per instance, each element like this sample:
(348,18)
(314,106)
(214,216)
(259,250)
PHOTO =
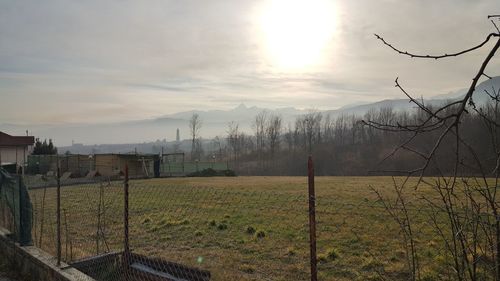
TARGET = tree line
(44,147)
(346,144)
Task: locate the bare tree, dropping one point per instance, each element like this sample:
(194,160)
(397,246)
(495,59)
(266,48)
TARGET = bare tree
(328,126)
(259,127)
(370,117)
(300,132)
(233,139)
(312,129)
(274,129)
(217,147)
(195,124)
(340,129)
(289,138)
(463,208)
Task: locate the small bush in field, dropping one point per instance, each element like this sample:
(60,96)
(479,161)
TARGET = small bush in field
(260,234)
(250,230)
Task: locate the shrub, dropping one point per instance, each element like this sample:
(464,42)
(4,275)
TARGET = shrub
(247,268)
(166,223)
(165,238)
(209,172)
(212,223)
(222,226)
(322,258)
(260,234)
(291,252)
(332,254)
(229,173)
(250,230)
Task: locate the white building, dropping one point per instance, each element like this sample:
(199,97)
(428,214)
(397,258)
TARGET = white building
(15,149)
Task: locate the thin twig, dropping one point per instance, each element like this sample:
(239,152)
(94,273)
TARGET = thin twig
(412,55)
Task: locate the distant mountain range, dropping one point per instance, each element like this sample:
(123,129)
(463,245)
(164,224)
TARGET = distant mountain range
(214,121)
(479,97)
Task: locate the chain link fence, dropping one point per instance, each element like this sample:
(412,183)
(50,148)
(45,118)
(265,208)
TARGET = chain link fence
(251,228)
(174,232)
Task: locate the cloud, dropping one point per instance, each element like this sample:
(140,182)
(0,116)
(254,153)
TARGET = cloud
(122,60)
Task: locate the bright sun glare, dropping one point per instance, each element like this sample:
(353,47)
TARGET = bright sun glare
(297,31)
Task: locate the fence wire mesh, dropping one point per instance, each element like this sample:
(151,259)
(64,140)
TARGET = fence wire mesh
(234,233)
(245,228)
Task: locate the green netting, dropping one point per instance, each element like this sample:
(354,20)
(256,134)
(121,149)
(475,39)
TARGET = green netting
(15,199)
(41,164)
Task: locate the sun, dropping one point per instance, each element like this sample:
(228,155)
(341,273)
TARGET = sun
(296,32)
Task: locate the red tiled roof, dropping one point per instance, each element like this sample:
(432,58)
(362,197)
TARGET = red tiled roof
(8,140)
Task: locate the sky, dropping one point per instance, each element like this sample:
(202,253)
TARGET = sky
(99,61)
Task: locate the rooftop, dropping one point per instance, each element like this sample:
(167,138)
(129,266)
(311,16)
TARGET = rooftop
(8,140)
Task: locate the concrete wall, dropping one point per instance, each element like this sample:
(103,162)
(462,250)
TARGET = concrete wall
(34,264)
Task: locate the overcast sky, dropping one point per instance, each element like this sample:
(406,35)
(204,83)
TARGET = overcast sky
(101,61)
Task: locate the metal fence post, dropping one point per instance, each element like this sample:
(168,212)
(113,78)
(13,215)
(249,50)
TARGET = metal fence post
(126,252)
(58,213)
(312,219)
(21,230)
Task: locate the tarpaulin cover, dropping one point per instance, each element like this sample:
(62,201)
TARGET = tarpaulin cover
(14,197)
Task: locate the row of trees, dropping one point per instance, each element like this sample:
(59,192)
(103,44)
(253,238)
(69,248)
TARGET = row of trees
(44,148)
(345,144)
(341,145)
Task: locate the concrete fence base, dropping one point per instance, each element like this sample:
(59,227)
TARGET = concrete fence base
(34,264)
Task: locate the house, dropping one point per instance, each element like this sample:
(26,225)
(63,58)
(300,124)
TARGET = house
(15,149)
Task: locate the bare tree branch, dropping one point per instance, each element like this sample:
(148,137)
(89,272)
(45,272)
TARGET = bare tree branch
(495,25)
(438,56)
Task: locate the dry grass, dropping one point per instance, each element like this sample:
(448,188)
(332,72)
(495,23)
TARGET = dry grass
(243,228)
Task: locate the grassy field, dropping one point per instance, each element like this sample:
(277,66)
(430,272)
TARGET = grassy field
(241,228)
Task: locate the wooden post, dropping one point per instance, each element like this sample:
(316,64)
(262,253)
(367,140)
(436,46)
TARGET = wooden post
(58,213)
(183,170)
(24,159)
(312,219)
(67,235)
(17,163)
(21,234)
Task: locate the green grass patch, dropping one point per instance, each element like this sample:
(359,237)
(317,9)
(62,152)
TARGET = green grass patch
(245,228)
